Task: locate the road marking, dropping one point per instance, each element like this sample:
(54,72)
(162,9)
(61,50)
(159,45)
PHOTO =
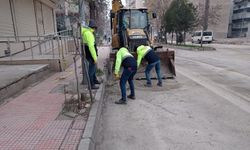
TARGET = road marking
(235,98)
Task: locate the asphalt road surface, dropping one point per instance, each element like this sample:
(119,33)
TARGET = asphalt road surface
(206,107)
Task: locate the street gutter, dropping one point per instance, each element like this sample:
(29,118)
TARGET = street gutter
(89,137)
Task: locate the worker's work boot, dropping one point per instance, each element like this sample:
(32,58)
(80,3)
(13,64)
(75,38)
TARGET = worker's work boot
(159,84)
(121,101)
(148,85)
(131,97)
(94,87)
(97,82)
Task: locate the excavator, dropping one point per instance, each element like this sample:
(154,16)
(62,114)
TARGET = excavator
(130,28)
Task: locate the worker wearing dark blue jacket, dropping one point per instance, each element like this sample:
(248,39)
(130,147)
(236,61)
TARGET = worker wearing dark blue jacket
(153,60)
(128,62)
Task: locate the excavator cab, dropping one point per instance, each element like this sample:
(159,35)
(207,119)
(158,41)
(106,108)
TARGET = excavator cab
(132,23)
(130,31)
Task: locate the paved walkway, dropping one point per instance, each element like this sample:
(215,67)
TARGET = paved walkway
(29,120)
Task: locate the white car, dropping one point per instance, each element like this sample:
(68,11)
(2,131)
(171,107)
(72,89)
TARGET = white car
(207,37)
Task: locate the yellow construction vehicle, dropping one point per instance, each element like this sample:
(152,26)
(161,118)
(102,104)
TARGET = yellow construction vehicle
(130,28)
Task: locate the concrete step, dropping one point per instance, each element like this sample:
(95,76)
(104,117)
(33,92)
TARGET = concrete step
(14,78)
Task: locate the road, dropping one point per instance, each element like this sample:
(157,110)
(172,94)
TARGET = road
(206,107)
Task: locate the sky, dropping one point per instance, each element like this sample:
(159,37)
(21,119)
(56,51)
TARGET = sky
(123,2)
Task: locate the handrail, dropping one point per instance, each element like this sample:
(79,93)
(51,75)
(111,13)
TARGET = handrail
(45,43)
(36,36)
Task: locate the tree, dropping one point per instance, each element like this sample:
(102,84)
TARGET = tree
(102,17)
(180,18)
(208,14)
(159,7)
(98,11)
(169,20)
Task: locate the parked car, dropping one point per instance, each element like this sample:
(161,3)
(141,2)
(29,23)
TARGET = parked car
(207,37)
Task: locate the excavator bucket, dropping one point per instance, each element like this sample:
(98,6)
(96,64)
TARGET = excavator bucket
(167,58)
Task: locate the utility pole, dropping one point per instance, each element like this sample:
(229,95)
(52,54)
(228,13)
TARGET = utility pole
(206,14)
(205,23)
(242,24)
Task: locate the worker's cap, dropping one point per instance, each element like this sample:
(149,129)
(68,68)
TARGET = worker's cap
(140,48)
(92,24)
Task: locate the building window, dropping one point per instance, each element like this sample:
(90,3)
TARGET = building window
(238,11)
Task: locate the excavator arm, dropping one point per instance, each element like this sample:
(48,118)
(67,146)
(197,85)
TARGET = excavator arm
(116,5)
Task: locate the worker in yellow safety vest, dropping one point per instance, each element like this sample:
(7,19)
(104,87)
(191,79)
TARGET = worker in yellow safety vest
(91,52)
(128,62)
(153,60)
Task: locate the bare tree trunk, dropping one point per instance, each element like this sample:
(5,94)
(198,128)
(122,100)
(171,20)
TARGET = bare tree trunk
(92,9)
(172,38)
(184,37)
(166,36)
(176,38)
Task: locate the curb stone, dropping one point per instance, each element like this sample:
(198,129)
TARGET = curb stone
(88,140)
(194,49)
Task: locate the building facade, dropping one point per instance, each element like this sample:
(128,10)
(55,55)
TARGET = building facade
(27,17)
(223,9)
(240,19)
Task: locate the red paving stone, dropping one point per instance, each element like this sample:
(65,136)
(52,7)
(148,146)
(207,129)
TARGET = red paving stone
(28,121)
(79,124)
(72,139)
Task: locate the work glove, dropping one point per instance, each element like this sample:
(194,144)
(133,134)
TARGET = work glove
(117,76)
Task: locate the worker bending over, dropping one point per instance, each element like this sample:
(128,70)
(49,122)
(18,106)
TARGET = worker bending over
(128,62)
(153,61)
(91,52)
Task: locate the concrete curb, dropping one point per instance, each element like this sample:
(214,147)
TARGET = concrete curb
(193,49)
(88,141)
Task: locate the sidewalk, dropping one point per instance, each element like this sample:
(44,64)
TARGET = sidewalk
(29,121)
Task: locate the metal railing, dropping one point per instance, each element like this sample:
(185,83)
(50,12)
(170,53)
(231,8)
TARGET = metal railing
(49,46)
